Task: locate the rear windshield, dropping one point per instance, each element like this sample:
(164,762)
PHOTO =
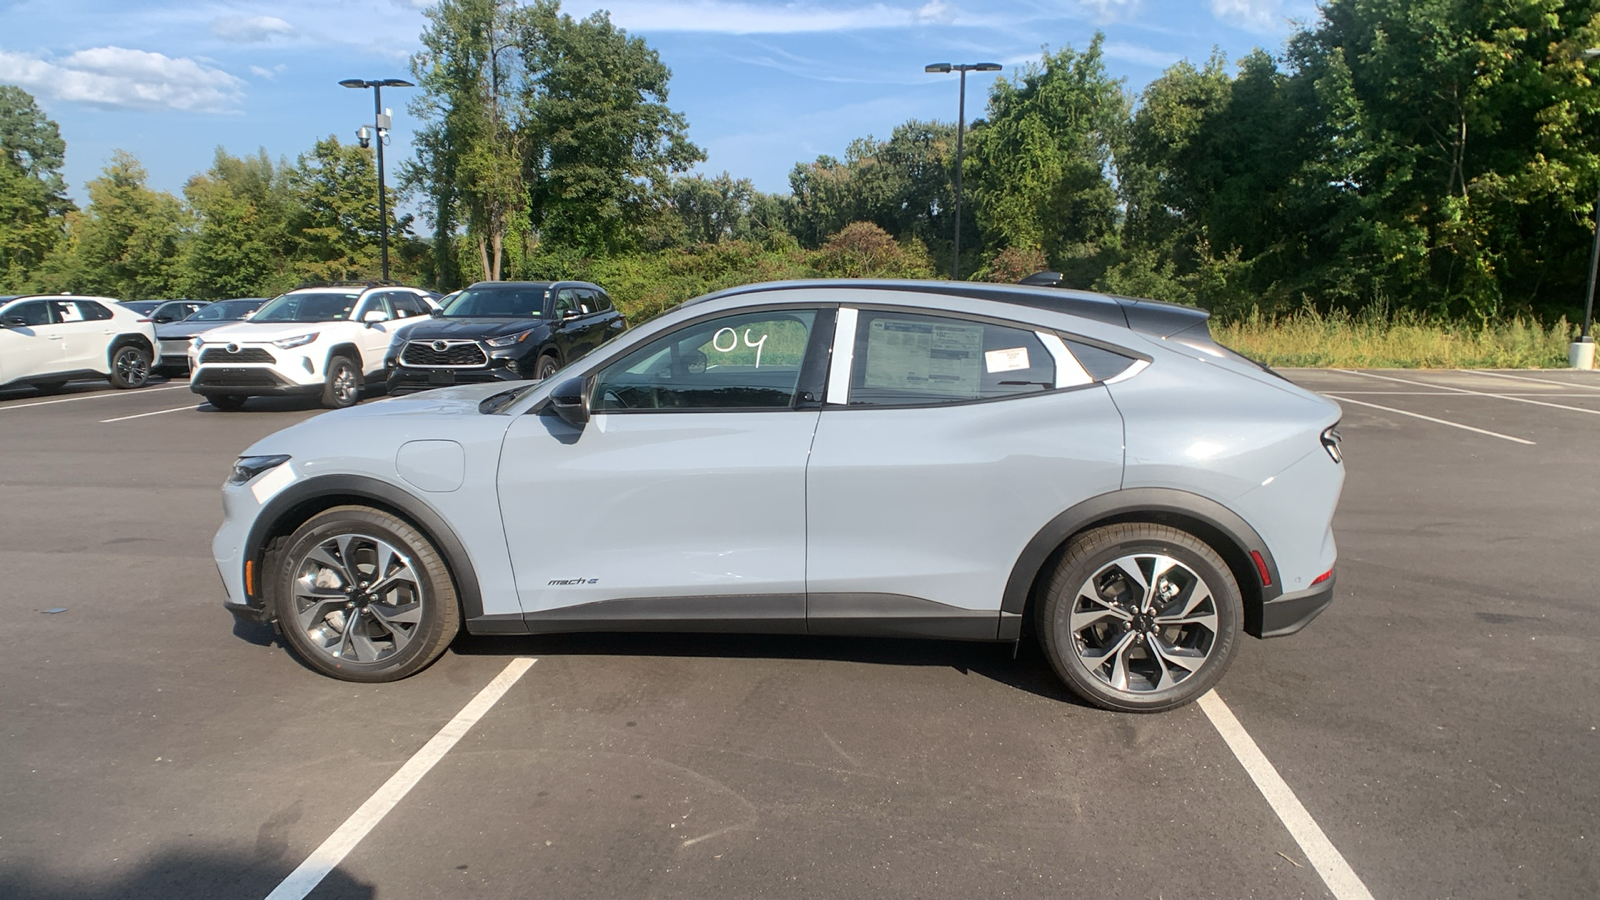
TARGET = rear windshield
(309,306)
(507,303)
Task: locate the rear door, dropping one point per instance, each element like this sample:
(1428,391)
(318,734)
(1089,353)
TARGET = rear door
(682,501)
(946,444)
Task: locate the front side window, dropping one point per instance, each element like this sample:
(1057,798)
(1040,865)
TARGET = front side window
(566,303)
(745,361)
(906,359)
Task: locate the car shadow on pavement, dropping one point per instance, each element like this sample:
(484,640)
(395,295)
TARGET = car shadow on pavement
(173,874)
(1028,671)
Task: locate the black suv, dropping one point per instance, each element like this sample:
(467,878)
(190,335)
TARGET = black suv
(502,331)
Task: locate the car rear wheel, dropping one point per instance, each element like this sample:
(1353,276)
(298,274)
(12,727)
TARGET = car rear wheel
(361,595)
(130,366)
(342,387)
(226,402)
(1140,617)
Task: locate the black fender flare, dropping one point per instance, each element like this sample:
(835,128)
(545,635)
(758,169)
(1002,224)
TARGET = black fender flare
(1183,509)
(313,493)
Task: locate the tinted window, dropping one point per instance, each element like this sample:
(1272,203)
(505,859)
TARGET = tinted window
(602,303)
(65,311)
(907,360)
(407,304)
(747,361)
(566,302)
(309,306)
(35,313)
(93,312)
(498,303)
(224,311)
(1102,365)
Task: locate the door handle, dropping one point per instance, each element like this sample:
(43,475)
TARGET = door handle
(54,337)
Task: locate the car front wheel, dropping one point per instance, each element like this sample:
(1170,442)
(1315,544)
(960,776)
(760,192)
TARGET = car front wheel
(547,367)
(130,366)
(342,386)
(1140,617)
(361,595)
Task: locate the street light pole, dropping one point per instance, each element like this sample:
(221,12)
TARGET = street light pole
(380,123)
(1581,354)
(961,127)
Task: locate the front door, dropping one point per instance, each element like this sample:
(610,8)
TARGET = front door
(683,498)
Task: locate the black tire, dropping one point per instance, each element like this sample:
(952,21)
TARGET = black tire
(226,402)
(130,365)
(342,385)
(1160,662)
(547,366)
(49,387)
(349,620)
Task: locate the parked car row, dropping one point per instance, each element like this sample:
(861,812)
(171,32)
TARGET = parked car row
(48,340)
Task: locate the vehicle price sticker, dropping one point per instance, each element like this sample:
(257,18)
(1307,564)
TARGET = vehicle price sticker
(924,357)
(1006,360)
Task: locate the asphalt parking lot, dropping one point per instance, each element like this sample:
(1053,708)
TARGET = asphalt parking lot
(1438,724)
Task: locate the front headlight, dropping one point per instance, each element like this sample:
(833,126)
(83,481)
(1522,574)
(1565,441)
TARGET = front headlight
(197,342)
(298,340)
(510,339)
(248,467)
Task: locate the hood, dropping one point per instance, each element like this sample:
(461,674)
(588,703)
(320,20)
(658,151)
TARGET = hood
(466,328)
(172,331)
(262,332)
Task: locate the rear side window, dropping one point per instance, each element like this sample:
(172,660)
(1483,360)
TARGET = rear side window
(66,311)
(407,304)
(906,359)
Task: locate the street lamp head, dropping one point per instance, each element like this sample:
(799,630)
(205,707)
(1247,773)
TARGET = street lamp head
(986,67)
(937,67)
(395,82)
(353,83)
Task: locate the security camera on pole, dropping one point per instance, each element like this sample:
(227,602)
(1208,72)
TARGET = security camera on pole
(381,122)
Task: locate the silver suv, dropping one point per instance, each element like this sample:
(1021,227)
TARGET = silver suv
(914,459)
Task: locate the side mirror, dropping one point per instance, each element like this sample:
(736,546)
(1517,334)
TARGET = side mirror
(164,319)
(374,316)
(569,402)
(14,321)
(436,312)
(570,314)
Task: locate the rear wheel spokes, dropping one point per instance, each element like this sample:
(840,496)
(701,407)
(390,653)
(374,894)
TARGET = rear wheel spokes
(1143,623)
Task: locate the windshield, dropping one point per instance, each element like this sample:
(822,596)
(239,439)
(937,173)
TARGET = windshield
(507,303)
(141,306)
(309,306)
(223,311)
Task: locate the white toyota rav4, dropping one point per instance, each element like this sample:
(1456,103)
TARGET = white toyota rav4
(47,340)
(326,341)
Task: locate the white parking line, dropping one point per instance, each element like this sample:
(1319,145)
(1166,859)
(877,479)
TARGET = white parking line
(1341,880)
(1592,387)
(1456,390)
(97,395)
(1504,437)
(159,412)
(322,860)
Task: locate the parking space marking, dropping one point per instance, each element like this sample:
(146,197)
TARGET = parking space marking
(1504,437)
(1341,880)
(1592,387)
(159,412)
(94,396)
(304,879)
(1471,393)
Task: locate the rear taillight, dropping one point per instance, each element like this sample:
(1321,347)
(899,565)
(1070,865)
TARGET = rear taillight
(1330,442)
(1323,577)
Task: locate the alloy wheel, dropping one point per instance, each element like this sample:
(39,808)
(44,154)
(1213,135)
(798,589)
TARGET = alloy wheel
(1144,623)
(131,366)
(357,598)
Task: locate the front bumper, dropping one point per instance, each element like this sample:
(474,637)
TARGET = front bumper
(1291,612)
(248,381)
(405,380)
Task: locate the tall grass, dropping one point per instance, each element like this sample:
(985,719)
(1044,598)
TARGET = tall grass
(1377,338)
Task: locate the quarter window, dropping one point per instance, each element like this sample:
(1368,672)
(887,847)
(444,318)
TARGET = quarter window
(904,359)
(747,361)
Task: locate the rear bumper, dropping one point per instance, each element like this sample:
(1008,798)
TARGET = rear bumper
(1291,612)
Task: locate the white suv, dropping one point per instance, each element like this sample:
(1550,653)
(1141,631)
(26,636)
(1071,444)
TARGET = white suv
(47,340)
(326,341)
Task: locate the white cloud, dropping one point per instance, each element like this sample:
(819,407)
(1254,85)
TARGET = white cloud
(1264,16)
(1144,56)
(1105,10)
(413,4)
(119,77)
(268,74)
(251,29)
(733,17)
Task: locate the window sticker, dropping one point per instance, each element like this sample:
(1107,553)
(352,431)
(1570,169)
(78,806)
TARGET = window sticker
(1006,360)
(924,357)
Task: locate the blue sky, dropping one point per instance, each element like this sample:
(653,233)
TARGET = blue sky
(763,84)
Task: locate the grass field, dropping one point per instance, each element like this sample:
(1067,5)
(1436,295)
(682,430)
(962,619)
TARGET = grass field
(1402,340)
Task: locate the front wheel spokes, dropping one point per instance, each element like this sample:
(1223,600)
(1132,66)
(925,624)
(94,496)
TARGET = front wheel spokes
(393,621)
(1116,655)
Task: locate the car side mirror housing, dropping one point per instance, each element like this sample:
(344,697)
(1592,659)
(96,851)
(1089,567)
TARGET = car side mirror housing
(13,321)
(374,316)
(436,312)
(569,402)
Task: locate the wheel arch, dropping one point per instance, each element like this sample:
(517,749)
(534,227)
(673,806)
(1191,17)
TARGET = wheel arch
(347,350)
(131,337)
(1219,527)
(298,502)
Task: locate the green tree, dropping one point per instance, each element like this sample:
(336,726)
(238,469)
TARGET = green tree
(242,241)
(335,214)
(33,201)
(128,243)
(601,142)
(1040,167)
